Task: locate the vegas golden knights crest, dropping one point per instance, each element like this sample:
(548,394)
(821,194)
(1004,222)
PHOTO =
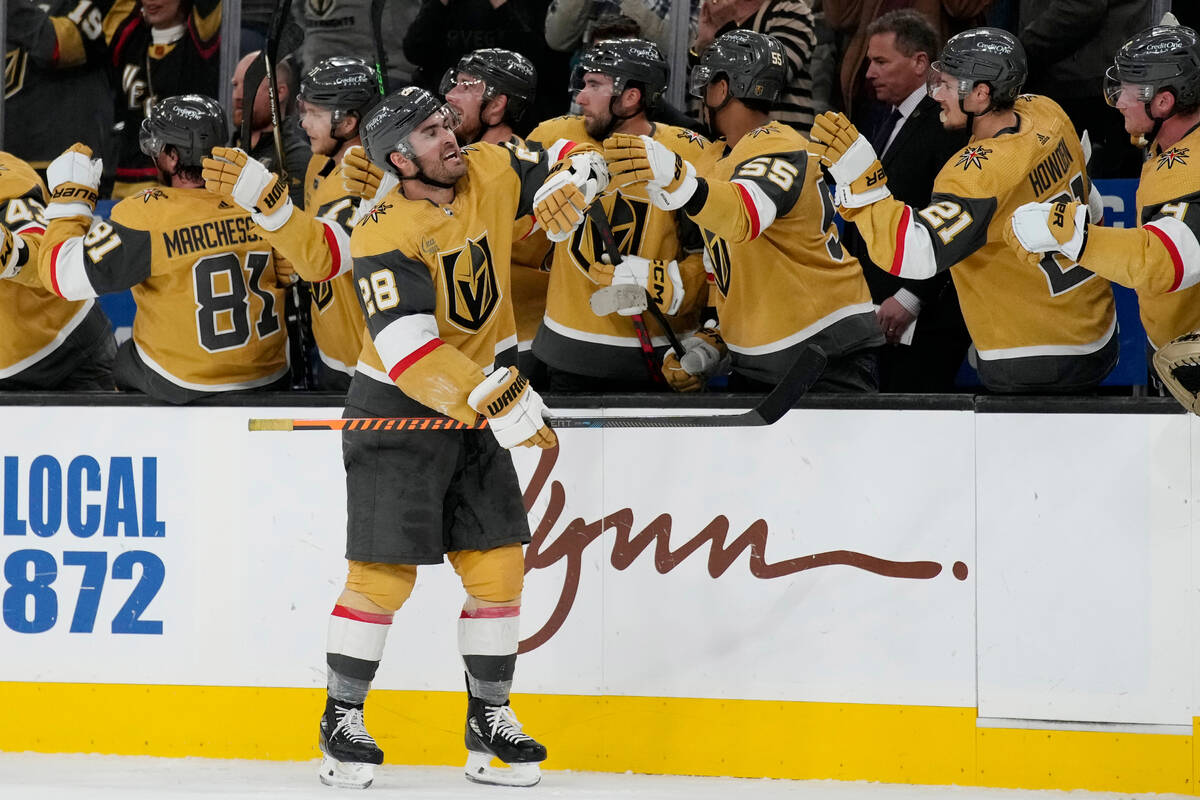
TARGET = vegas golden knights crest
(718,254)
(472,291)
(628,222)
(320,8)
(14,70)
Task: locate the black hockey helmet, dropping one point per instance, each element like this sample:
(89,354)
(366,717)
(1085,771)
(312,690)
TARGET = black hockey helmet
(343,85)
(754,64)
(191,123)
(387,128)
(503,72)
(1165,57)
(626,61)
(985,55)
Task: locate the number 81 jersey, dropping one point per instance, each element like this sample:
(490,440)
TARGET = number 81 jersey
(209,315)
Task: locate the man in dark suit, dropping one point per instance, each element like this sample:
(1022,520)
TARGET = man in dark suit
(913,147)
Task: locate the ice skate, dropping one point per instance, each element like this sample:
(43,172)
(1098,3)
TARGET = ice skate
(494,732)
(350,752)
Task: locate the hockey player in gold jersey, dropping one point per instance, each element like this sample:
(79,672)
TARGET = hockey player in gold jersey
(208,308)
(782,281)
(1045,327)
(490,90)
(335,96)
(431,260)
(47,342)
(617,84)
(1155,84)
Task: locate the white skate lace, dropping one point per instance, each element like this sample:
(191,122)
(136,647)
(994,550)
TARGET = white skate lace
(350,723)
(503,721)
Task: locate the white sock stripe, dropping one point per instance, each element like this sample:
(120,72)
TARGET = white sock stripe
(488,636)
(361,640)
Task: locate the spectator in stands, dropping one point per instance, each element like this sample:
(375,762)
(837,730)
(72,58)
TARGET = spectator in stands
(345,28)
(792,23)
(1067,62)
(163,48)
(47,342)
(256,18)
(209,310)
(259,125)
(573,24)
(851,18)
(913,147)
(446,30)
(51,56)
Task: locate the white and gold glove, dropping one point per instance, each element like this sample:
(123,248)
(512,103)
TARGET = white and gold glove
(234,174)
(514,410)
(561,203)
(706,357)
(11,248)
(74,182)
(851,160)
(1178,364)
(660,279)
(670,180)
(1038,228)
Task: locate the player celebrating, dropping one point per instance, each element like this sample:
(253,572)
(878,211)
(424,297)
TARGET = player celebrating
(617,84)
(783,281)
(335,96)
(431,263)
(1155,84)
(208,307)
(1048,327)
(48,342)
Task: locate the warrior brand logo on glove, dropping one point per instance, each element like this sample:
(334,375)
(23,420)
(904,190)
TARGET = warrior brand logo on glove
(510,394)
(273,197)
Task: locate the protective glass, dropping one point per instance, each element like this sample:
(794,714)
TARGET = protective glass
(699,80)
(455,79)
(430,136)
(1117,92)
(149,142)
(943,85)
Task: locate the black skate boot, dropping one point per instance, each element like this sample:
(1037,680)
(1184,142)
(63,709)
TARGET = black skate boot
(350,752)
(494,732)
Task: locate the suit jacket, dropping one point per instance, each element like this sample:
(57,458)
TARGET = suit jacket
(918,152)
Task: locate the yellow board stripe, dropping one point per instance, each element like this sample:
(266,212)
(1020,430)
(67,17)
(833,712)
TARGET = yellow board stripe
(686,736)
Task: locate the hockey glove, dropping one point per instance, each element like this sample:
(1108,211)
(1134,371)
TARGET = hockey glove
(1178,364)
(574,183)
(1038,228)
(660,279)
(857,173)
(74,181)
(514,410)
(670,180)
(285,270)
(706,357)
(234,174)
(360,177)
(11,253)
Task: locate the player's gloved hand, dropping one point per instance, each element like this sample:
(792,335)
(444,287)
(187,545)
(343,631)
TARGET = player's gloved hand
(574,183)
(360,177)
(1038,228)
(74,182)
(1178,364)
(660,279)
(234,174)
(670,179)
(706,356)
(514,410)
(11,248)
(851,160)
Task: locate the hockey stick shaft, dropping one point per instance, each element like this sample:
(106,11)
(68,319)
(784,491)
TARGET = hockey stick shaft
(380,50)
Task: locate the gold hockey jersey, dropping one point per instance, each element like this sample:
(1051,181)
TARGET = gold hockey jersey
(209,313)
(1161,258)
(782,278)
(1049,327)
(572,338)
(33,321)
(434,285)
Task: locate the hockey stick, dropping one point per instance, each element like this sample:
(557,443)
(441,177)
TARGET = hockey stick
(380,51)
(799,378)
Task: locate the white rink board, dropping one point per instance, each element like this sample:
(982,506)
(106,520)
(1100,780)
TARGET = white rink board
(253,544)
(1082,525)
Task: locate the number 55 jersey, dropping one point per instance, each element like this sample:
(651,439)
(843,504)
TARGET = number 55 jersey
(209,315)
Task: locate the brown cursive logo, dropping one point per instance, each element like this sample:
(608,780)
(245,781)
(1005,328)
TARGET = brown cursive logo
(578,534)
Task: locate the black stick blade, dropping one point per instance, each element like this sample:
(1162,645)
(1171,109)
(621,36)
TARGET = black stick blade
(798,380)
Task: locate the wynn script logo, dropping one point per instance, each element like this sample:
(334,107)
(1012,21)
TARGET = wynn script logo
(575,536)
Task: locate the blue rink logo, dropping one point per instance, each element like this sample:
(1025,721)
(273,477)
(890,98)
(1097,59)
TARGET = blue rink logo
(82,498)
